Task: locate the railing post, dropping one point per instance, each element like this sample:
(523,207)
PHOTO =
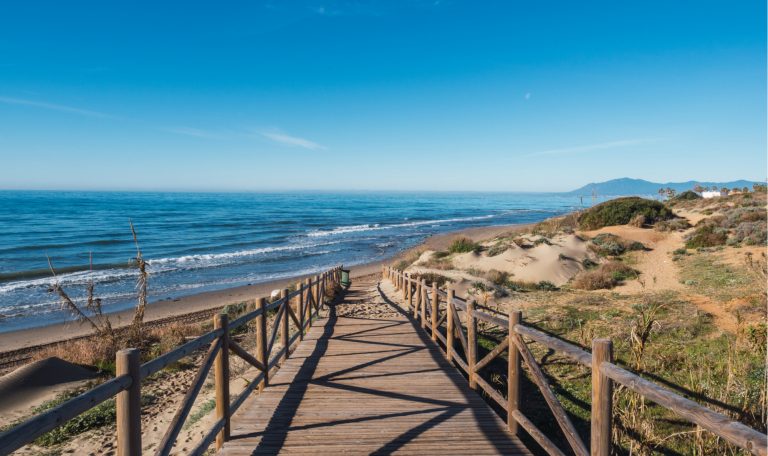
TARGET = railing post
(284,323)
(300,309)
(435,308)
(406,288)
(471,342)
(128,403)
(423,299)
(602,399)
(449,324)
(318,298)
(513,373)
(308,298)
(221,379)
(261,340)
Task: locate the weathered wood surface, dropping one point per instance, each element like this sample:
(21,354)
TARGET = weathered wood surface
(361,385)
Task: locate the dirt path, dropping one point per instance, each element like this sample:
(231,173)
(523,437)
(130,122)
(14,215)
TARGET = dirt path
(724,319)
(657,270)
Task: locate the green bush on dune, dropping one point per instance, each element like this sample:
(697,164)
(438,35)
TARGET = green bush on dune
(464,245)
(621,211)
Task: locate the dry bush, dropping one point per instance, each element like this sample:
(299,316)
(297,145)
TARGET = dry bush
(407,259)
(638,221)
(550,227)
(497,277)
(605,276)
(92,351)
(171,336)
(593,280)
(676,224)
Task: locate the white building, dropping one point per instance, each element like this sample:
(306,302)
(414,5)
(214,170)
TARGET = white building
(711,194)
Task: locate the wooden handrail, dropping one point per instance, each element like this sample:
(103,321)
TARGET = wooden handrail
(127,384)
(604,374)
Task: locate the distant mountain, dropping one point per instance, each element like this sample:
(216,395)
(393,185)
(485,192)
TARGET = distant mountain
(627,186)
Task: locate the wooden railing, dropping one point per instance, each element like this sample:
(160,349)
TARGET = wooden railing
(425,304)
(126,386)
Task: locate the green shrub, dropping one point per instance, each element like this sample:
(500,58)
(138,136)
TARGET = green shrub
(619,271)
(497,249)
(464,245)
(546,285)
(635,246)
(707,235)
(606,244)
(675,224)
(687,196)
(621,211)
(100,415)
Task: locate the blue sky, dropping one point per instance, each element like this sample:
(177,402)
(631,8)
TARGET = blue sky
(411,95)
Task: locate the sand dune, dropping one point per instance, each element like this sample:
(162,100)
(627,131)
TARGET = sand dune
(556,261)
(35,383)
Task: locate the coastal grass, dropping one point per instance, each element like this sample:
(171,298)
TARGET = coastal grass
(664,338)
(464,245)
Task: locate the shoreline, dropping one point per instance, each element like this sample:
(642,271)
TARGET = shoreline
(208,300)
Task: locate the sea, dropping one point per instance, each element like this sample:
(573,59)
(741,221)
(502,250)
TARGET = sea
(196,242)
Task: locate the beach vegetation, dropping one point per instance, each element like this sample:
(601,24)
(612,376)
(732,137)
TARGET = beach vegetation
(565,224)
(99,416)
(464,245)
(688,195)
(497,249)
(621,211)
(431,277)
(607,244)
(675,224)
(605,276)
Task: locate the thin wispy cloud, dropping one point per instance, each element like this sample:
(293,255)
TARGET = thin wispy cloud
(592,147)
(53,107)
(292,141)
(194,132)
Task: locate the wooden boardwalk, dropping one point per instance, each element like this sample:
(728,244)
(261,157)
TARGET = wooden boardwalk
(368,383)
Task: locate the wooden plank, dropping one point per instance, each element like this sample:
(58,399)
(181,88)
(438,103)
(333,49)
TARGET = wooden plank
(367,385)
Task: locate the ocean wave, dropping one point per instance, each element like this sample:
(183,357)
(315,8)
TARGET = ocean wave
(76,276)
(378,227)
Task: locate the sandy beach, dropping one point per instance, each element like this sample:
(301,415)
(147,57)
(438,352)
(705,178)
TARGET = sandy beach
(163,309)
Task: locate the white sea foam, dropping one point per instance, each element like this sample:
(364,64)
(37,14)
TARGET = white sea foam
(378,227)
(156,266)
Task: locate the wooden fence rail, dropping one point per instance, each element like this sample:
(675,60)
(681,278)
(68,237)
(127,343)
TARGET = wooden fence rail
(309,298)
(605,373)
